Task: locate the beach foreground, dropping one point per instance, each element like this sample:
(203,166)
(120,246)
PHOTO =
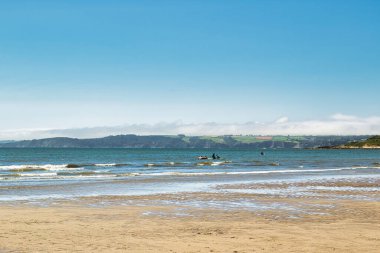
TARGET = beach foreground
(348,226)
(103,200)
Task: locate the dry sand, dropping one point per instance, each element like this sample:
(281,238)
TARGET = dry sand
(352,226)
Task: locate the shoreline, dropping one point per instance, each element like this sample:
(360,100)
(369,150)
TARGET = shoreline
(168,223)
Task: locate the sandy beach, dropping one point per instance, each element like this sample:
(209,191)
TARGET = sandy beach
(83,226)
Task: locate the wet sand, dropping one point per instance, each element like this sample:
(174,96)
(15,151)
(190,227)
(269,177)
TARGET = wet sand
(313,224)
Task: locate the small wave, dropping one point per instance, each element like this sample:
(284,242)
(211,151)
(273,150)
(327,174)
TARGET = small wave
(360,167)
(28,167)
(204,164)
(9,176)
(366,167)
(105,164)
(168,164)
(55,175)
(18,167)
(111,164)
(56,167)
(133,174)
(219,163)
(39,175)
(176,163)
(257,164)
(157,165)
(213,163)
(170,173)
(81,173)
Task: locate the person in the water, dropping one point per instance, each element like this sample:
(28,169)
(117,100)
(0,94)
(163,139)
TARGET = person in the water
(214,156)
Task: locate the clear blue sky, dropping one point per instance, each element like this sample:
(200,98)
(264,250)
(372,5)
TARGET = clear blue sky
(79,63)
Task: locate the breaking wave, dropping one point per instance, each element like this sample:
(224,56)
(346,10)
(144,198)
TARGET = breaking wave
(27,167)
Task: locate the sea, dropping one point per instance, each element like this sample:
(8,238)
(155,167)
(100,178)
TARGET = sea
(46,175)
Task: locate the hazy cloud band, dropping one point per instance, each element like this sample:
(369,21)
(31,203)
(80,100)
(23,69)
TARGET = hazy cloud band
(337,124)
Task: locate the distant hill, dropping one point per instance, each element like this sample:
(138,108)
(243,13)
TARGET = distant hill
(5,141)
(372,142)
(182,141)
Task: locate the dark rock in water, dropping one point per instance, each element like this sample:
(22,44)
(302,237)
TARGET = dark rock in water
(72,166)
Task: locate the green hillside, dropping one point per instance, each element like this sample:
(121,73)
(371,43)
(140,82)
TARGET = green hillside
(370,142)
(182,141)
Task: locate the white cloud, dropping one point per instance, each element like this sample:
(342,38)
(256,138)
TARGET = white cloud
(338,124)
(282,120)
(343,117)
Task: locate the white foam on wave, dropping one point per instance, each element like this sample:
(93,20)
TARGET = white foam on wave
(217,163)
(38,175)
(53,176)
(105,164)
(366,167)
(244,172)
(56,168)
(12,167)
(50,167)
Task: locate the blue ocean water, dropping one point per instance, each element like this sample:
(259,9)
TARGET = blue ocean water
(39,174)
